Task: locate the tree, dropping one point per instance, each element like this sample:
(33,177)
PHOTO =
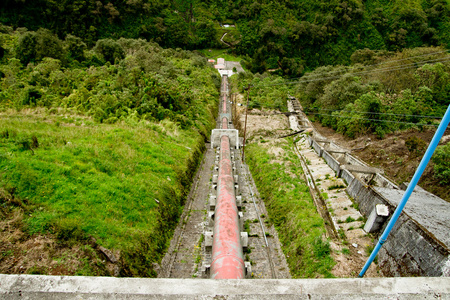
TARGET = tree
(34,46)
(109,49)
(48,45)
(26,48)
(75,47)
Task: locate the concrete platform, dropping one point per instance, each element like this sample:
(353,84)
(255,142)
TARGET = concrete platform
(216,135)
(67,287)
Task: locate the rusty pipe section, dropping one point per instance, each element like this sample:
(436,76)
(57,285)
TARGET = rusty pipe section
(224,103)
(227,255)
(224,94)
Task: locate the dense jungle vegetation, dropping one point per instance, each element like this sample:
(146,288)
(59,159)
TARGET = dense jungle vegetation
(380,93)
(99,144)
(291,35)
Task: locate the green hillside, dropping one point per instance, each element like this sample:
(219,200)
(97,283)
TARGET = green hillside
(292,35)
(99,150)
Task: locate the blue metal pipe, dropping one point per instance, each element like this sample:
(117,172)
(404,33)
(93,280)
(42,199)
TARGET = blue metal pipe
(423,163)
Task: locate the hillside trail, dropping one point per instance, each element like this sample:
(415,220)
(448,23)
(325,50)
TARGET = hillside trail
(221,39)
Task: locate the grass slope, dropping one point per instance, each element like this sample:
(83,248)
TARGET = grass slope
(291,209)
(87,179)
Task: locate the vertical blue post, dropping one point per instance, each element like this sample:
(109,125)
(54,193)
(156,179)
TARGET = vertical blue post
(423,163)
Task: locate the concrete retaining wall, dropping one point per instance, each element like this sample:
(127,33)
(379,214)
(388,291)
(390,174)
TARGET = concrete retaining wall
(331,161)
(348,177)
(365,197)
(317,147)
(354,186)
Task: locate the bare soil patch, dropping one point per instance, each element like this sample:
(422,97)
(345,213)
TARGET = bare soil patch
(22,253)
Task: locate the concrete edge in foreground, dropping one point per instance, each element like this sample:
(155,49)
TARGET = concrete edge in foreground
(81,287)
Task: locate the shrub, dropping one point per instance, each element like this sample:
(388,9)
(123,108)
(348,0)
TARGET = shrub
(415,145)
(31,95)
(321,248)
(441,160)
(69,230)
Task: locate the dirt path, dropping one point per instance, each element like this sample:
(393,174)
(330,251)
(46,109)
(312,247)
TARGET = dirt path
(184,255)
(353,245)
(221,39)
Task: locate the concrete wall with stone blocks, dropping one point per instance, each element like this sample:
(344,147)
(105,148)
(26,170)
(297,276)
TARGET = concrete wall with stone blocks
(410,251)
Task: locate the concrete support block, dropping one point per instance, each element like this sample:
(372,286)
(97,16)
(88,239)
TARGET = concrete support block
(241,220)
(236,188)
(212,202)
(236,178)
(206,270)
(208,240)
(376,218)
(244,240)
(214,179)
(225,115)
(239,202)
(248,269)
(211,218)
(214,186)
(361,169)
